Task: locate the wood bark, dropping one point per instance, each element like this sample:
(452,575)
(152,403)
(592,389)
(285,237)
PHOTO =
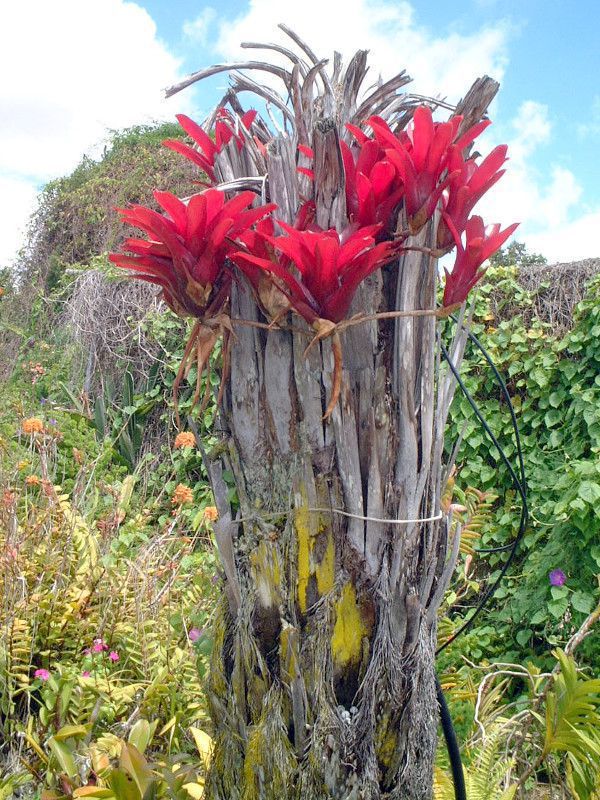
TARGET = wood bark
(322,678)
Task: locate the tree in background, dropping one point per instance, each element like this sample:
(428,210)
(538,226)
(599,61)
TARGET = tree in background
(312,256)
(516,255)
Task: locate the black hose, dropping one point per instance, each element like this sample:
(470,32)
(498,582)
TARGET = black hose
(519,486)
(458,777)
(515,426)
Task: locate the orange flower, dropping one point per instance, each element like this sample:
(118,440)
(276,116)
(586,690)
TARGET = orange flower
(1,291)
(185,439)
(32,480)
(211,513)
(182,494)
(32,425)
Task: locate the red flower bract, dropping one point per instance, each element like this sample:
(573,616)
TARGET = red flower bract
(421,157)
(469,181)
(226,127)
(479,246)
(187,247)
(373,185)
(331,267)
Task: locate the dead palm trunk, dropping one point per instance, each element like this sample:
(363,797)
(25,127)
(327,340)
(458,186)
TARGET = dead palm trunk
(322,678)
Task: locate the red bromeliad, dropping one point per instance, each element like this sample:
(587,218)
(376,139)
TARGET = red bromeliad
(331,267)
(269,290)
(188,246)
(478,247)
(468,183)
(226,128)
(312,271)
(421,155)
(373,185)
(186,256)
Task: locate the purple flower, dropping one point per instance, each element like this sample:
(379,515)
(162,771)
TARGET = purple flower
(99,645)
(194,634)
(557,577)
(42,674)
(113,655)
(43,400)
(53,422)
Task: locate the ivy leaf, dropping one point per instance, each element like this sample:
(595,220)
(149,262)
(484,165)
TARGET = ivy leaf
(552,417)
(589,491)
(538,617)
(523,636)
(582,601)
(558,607)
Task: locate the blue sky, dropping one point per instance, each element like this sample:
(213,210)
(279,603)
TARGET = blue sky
(88,65)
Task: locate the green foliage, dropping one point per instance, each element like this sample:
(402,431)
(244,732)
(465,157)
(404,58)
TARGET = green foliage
(484,776)
(116,768)
(548,735)
(75,219)
(516,255)
(573,724)
(91,570)
(555,390)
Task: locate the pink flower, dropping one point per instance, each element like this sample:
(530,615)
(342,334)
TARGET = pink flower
(86,674)
(113,655)
(42,674)
(194,634)
(87,652)
(99,645)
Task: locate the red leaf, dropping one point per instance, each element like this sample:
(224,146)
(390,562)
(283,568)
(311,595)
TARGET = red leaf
(191,154)
(199,135)
(174,208)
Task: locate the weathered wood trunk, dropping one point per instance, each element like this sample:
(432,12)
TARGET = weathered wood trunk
(322,678)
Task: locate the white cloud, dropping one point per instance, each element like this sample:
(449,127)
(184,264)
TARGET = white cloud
(197,29)
(445,63)
(570,242)
(524,194)
(76,69)
(546,202)
(592,126)
(532,127)
(18,199)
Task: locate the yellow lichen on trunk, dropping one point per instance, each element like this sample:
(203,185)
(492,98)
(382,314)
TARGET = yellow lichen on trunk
(269,764)
(316,557)
(266,573)
(289,650)
(350,629)
(386,741)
